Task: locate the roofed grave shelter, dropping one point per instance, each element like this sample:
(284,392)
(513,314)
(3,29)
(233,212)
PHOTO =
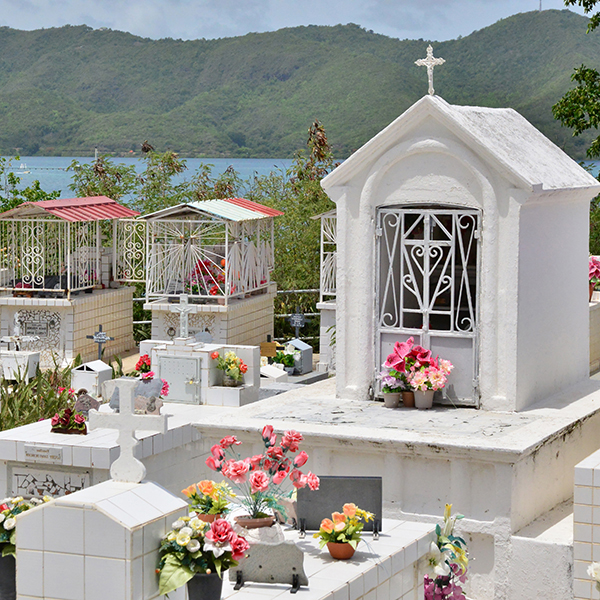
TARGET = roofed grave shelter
(57,262)
(217,252)
(467,229)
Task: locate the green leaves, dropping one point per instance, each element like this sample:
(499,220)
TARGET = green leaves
(173,575)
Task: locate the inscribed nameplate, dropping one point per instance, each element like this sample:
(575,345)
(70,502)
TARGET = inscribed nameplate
(44,454)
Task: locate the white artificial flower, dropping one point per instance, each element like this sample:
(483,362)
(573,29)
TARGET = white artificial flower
(10,523)
(172,536)
(193,546)
(178,524)
(2,517)
(594,571)
(437,561)
(182,539)
(17,499)
(186,531)
(216,549)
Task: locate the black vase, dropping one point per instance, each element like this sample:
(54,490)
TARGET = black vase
(203,587)
(8,584)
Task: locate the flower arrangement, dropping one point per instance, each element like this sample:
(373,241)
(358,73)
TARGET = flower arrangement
(68,421)
(231,365)
(264,479)
(143,365)
(209,498)
(594,272)
(9,509)
(414,367)
(344,527)
(448,561)
(193,546)
(284,358)
(206,278)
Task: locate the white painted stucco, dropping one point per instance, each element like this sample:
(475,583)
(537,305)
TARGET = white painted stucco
(533,201)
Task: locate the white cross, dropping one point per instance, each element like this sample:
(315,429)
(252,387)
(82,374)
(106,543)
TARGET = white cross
(430,62)
(127,467)
(183,308)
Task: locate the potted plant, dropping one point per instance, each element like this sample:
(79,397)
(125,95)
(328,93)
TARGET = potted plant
(68,421)
(343,531)
(419,370)
(196,553)
(287,359)
(208,499)
(9,509)
(448,561)
(391,387)
(232,366)
(594,271)
(263,480)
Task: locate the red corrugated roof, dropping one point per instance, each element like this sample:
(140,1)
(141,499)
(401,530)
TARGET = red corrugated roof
(94,208)
(254,206)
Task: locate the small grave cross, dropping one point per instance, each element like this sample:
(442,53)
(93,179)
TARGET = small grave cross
(127,467)
(297,321)
(430,62)
(183,309)
(100,338)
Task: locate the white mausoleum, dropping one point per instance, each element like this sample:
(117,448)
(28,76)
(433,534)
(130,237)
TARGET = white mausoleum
(467,229)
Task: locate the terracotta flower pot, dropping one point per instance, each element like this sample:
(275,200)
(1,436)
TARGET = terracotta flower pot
(424,400)
(391,400)
(230,381)
(209,518)
(250,523)
(203,586)
(408,399)
(340,551)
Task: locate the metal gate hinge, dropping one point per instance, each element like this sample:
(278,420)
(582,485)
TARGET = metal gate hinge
(378,232)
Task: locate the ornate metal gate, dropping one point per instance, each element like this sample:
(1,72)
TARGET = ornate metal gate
(428,272)
(130,250)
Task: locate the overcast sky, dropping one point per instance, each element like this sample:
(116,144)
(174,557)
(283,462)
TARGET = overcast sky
(192,19)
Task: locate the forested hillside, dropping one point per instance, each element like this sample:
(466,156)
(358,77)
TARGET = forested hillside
(69,89)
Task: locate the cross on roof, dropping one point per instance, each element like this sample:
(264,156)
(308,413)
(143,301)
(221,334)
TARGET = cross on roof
(430,62)
(183,308)
(127,467)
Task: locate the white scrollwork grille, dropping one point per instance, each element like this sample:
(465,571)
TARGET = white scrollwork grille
(130,250)
(428,286)
(209,258)
(328,255)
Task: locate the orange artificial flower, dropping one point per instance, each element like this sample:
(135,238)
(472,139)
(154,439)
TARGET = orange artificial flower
(327,525)
(189,491)
(206,486)
(350,510)
(338,517)
(340,526)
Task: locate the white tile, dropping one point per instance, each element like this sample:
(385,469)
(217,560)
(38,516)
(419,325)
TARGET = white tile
(103,536)
(583,476)
(583,513)
(135,578)
(132,503)
(105,578)
(370,579)
(582,533)
(178,437)
(30,530)
(582,589)
(410,553)
(160,498)
(384,570)
(580,569)
(63,576)
(342,593)
(82,456)
(118,513)
(101,458)
(30,568)
(8,450)
(582,551)
(397,562)
(186,434)
(63,530)
(383,591)
(149,578)
(583,495)
(356,588)
(146,444)
(154,532)
(168,440)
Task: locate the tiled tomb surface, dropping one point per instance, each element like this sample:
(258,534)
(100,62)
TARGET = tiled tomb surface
(97,544)
(33,458)
(390,568)
(586,525)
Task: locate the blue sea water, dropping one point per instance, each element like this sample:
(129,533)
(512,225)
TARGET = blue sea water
(51,171)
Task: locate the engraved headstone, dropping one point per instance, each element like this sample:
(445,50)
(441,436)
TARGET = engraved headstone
(85,403)
(146,396)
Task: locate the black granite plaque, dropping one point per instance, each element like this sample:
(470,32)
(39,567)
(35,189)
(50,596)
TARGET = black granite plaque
(333,493)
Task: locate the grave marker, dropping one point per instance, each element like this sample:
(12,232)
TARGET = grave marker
(100,338)
(127,467)
(183,308)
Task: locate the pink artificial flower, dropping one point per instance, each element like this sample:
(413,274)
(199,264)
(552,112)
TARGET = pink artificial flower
(61,390)
(396,359)
(259,482)
(291,440)
(79,419)
(255,461)
(239,547)
(275,452)
(229,440)
(421,354)
(298,479)
(213,464)
(301,459)
(594,268)
(164,391)
(148,375)
(313,481)
(220,531)
(55,419)
(279,477)
(267,432)
(217,452)
(237,471)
